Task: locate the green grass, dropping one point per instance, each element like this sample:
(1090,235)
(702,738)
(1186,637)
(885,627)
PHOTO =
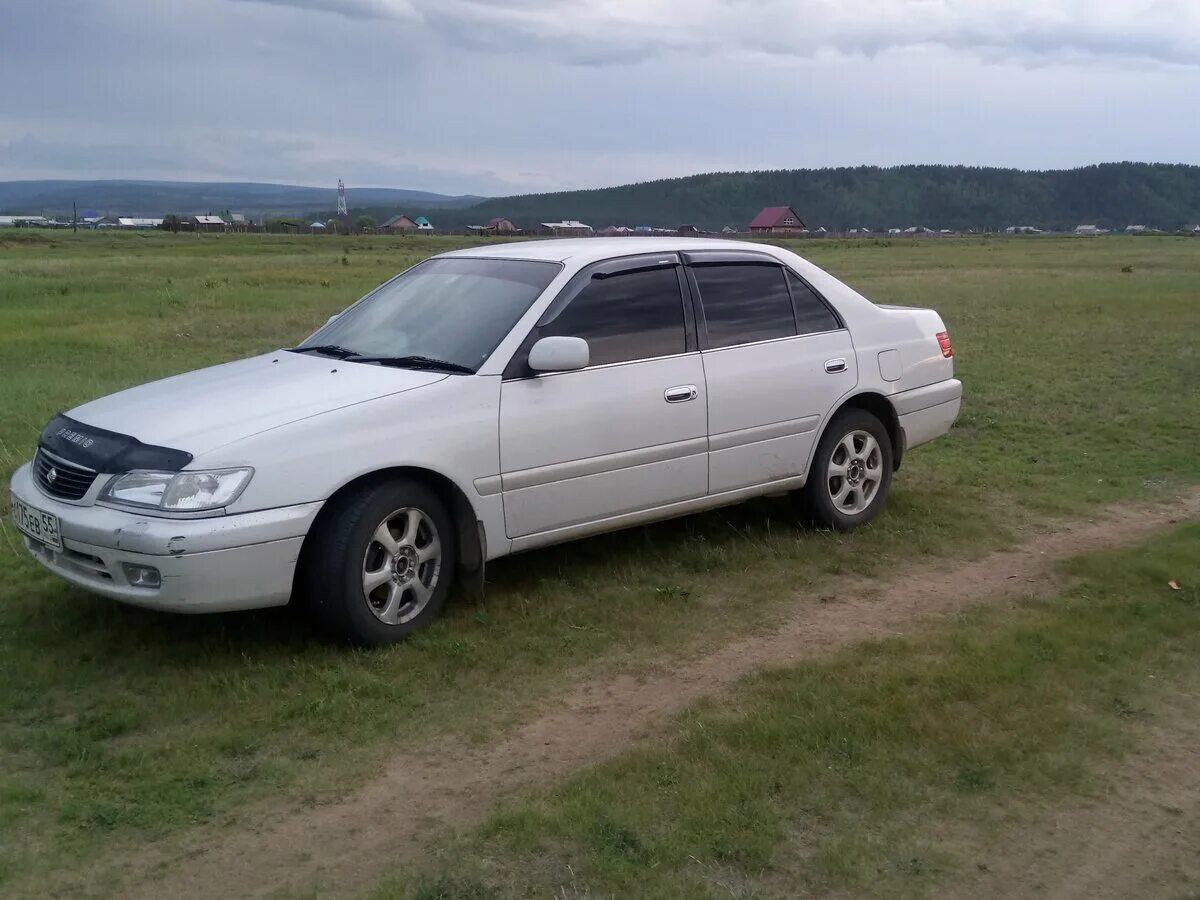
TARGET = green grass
(119,727)
(881,773)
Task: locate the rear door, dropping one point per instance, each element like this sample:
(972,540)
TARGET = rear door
(776,359)
(627,433)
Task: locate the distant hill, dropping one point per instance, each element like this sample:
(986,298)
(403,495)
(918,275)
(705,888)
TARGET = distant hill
(1111,195)
(156,198)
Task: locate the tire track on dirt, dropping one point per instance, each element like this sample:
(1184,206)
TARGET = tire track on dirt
(346,845)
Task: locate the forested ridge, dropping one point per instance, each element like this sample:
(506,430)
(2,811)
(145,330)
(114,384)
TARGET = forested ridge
(1110,195)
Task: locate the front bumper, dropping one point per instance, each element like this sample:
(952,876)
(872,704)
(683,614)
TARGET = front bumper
(217,564)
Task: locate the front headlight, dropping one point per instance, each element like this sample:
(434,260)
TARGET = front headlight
(179,491)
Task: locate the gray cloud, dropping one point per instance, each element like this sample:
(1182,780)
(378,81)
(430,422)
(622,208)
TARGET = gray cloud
(507,96)
(624,31)
(351,9)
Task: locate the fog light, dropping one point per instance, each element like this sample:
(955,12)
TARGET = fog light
(142,576)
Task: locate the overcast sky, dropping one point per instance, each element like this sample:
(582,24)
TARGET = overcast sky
(507,96)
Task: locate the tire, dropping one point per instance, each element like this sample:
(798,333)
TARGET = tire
(851,472)
(380,563)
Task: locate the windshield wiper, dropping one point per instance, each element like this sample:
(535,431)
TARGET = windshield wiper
(414,362)
(325,350)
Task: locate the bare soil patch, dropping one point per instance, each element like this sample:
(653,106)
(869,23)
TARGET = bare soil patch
(344,846)
(1139,838)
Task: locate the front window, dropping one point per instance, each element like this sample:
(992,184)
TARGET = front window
(448,309)
(625,317)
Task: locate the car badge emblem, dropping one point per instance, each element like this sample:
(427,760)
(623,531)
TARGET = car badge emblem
(52,476)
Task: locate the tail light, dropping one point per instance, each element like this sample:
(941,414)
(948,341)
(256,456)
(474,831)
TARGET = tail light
(943,338)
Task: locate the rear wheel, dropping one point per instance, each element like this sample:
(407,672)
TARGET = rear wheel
(381,562)
(851,472)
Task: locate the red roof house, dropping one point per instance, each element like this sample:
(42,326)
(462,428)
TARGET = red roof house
(777,220)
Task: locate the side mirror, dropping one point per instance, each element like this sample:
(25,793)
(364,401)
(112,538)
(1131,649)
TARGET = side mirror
(559,354)
(331,318)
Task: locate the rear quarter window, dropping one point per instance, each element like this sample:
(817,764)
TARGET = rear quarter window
(812,314)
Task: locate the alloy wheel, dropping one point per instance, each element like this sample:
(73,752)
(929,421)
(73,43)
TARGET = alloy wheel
(855,472)
(401,566)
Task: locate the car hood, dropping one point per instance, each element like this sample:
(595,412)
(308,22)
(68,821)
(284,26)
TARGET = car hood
(202,410)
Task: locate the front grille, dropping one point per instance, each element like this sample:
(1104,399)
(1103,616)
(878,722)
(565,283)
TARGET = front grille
(62,479)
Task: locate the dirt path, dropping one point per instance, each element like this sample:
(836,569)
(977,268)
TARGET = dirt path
(1141,839)
(345,846)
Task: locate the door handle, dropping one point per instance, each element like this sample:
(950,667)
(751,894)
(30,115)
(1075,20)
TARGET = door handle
(681,393)
(833,366)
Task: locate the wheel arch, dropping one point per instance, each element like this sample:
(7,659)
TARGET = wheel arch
(470,537)
(881,408)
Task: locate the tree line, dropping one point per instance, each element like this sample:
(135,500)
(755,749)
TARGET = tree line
(1111,195)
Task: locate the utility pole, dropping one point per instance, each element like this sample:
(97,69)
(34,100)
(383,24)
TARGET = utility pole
(74,218)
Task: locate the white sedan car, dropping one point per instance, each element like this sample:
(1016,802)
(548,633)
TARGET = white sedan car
(484,402)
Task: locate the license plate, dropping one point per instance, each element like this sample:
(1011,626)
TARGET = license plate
(41,526)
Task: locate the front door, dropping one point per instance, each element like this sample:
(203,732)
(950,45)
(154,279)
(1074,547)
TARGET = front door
(776,360)
(627,433)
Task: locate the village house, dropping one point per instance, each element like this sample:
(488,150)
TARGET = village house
(208,223)
(568,228)
(777,220)
(138,223)
(24,222)
(400,224)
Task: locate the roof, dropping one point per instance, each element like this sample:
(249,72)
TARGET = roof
(422,221)
(588,249)
(495,222)
(317,225)
(130,222)
(773,215)
(566,223)
(394,219)
(209,220)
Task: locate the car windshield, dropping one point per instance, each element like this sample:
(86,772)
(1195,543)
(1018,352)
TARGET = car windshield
(449,310)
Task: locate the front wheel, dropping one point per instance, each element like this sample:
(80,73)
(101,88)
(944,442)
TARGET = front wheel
(851,472)
(380,563)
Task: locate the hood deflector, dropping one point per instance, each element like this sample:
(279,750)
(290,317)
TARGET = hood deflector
(107,451)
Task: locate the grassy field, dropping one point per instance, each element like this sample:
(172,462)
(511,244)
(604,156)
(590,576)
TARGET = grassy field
(886,772)
(120,727)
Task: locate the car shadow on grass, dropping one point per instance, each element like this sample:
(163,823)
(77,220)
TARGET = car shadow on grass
(594,578)
(63,618)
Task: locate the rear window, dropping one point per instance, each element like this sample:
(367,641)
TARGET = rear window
(744,303)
